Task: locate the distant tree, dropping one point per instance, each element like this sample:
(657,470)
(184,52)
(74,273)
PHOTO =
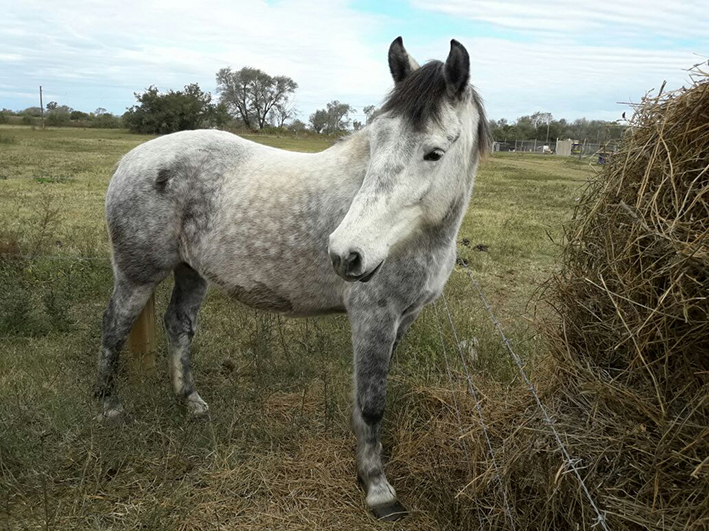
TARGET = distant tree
(333,119)
(318,120)
(251,94)
(370,112)
(78,115)
(58,114)
(171,111)
(106,121)
(357,125)
(99,111)
(34,112)
(281,113)
(296,126)
(220,115)
(338,116)
(535,127)
(52,105)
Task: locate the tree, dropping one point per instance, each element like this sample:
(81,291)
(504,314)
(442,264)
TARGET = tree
(296,126)
(34,112)
(78,115)
(370,112)
(318,120)
(250,94)
(333,119)
(281,113)
(58,114)
(535,127)
(357,125)
(171,111)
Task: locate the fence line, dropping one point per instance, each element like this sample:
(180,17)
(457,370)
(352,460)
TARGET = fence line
(478,408)
(455,400)
(600,518)
(450,374)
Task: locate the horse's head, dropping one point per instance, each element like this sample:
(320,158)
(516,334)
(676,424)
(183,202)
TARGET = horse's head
(424,149)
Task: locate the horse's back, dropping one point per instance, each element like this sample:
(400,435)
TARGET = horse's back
(162,193)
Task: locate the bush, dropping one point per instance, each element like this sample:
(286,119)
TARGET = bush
(57,118)
(106,121)
(173,111)
(78,115)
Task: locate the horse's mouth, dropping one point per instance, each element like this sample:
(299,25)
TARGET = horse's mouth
(368,276)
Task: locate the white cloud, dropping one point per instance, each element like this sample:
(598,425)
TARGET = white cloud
(132,44)
(671,18)
(568,58)
(577,59)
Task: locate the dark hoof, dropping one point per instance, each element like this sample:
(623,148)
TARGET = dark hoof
(390,512)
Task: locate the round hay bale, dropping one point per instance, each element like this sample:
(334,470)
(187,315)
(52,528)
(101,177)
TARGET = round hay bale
(632,346)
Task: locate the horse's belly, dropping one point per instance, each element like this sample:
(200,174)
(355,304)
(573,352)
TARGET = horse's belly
(261,297)
(292,299)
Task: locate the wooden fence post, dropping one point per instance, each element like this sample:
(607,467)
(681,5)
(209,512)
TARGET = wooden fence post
(141,341)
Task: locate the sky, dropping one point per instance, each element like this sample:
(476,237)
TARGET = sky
(569,58)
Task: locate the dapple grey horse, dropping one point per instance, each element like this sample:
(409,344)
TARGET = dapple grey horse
(367,227)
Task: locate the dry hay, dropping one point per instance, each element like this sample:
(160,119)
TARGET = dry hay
(630,357)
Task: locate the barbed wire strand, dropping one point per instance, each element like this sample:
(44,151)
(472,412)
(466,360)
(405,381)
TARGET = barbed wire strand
(455,400)
(600,518)
(479,410)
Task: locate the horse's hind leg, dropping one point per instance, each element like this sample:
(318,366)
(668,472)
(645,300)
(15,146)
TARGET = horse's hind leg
(180,324)
(127,301)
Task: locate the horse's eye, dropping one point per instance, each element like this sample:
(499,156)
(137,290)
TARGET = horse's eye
(434,155)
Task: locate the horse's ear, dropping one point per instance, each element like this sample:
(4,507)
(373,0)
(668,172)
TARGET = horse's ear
(401,63)
(457,69)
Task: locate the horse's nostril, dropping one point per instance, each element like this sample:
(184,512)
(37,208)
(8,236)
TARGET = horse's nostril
(353,264)
(335,259)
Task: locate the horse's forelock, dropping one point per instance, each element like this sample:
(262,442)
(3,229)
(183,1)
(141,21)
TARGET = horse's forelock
(420,96)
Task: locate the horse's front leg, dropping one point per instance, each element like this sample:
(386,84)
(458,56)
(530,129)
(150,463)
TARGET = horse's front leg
(374,333)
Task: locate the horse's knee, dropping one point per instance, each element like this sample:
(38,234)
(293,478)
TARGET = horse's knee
(371,398)
(371,408)
(178,323)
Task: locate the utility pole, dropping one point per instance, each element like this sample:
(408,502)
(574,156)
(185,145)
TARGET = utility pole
(548,120)
(41,105)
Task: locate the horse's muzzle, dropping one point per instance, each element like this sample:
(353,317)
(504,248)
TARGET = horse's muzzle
(351,267)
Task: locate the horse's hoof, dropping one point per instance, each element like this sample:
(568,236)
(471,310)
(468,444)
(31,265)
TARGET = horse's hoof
(196,407)
(390,511)
(111,416)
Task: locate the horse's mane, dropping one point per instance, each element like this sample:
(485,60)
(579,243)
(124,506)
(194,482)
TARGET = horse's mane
(419,97)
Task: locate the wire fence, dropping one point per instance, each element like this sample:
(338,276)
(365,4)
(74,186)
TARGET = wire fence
(569,148)
(571,463)
(478,407)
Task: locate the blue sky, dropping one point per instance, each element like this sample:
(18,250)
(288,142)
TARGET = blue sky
(558,56)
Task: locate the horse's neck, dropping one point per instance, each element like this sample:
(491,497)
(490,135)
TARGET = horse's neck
(351,154)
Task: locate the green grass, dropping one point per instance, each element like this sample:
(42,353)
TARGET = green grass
(277,452)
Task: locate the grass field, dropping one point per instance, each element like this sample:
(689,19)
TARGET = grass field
(277,452)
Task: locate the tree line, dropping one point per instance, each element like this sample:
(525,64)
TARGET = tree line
(251,99)
(61,115)
(542,127)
